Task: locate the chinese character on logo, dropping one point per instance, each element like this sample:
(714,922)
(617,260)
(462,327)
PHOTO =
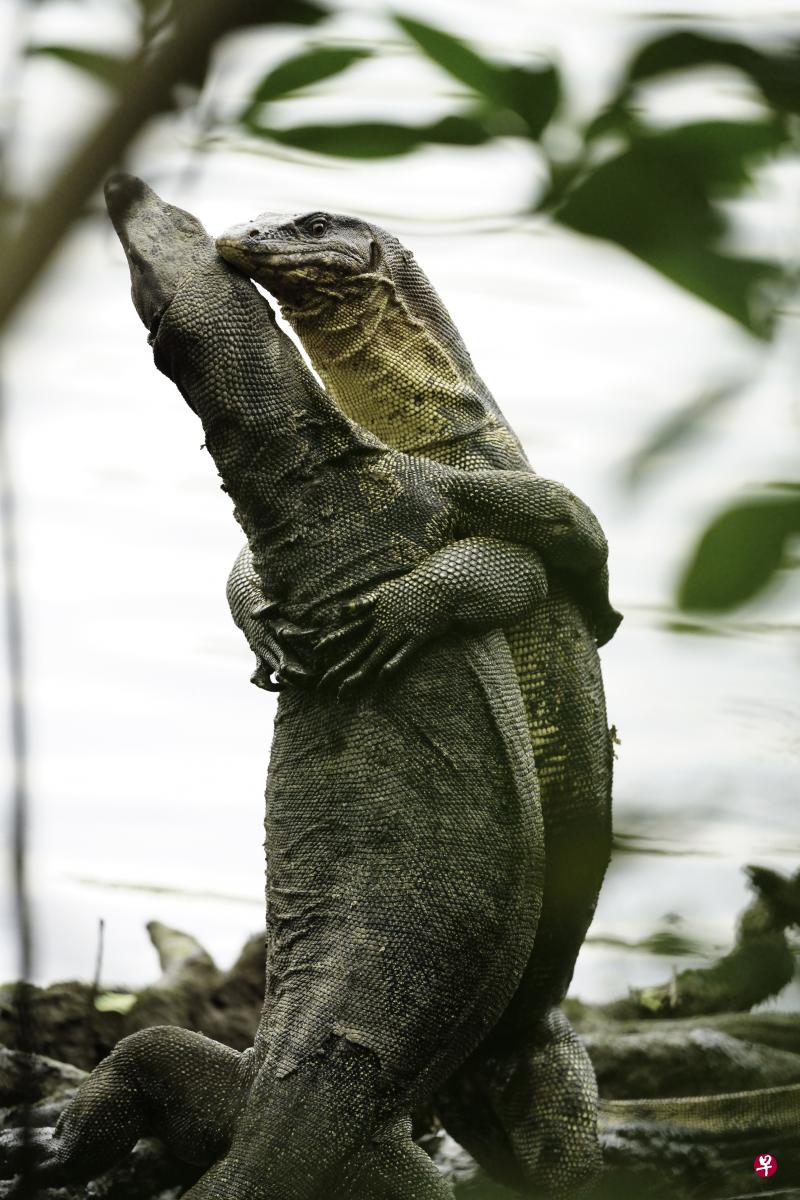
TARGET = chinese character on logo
(765,1165)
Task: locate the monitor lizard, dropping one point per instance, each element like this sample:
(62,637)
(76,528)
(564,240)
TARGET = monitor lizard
(390,355)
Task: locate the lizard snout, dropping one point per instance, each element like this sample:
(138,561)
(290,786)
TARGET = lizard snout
(121,190)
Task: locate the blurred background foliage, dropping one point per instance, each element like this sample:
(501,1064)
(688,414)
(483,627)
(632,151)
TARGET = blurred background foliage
(660,190)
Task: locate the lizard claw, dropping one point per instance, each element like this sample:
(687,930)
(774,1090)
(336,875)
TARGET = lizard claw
(269,611)
(341,634)
(334,675)
(265,610)
(400,656)
(273,676)
(381,647)
(265,676)
(376,665)
(295,633)
(292,672)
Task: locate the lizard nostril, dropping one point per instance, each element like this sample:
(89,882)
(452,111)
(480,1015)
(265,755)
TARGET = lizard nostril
(252,233)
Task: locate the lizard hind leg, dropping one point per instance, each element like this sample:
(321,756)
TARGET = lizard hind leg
(393,1167)
(527,1112)
(322,1131)
(164,1082)
(548,1109)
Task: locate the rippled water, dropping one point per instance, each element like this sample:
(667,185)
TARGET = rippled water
(149,747)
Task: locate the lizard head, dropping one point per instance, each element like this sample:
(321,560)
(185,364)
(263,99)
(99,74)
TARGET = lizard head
(163,244)
(302,259)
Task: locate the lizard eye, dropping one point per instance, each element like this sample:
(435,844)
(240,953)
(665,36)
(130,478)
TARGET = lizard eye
(317,226)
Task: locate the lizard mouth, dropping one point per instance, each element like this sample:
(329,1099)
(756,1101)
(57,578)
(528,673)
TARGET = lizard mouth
(263,256)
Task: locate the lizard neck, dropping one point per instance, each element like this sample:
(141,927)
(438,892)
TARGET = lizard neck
(388,369)
(270,428)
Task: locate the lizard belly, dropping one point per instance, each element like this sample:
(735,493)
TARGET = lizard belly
(558,670)
(404,863)
(559,673)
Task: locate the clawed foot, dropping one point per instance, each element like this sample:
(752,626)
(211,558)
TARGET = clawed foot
(376,633)
(162,1082)
(281,647)
(381,642)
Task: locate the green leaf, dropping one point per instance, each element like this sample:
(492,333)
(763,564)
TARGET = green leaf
(661,941)
(455,130)
(287,12)
(302,70)
(118,1002)
(367,140)
(656,200)
(748,290)
(740,551)
(455,56)
(721,153)
(659,190)
(532,93)
(678,428)
(245,13)
(376,139)
(777,76)
(107,67)
(684,49)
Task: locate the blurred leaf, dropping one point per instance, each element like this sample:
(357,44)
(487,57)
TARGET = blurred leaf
(721,153)
(684,49)
(659,189)
(237,14)
(656,199)
(660,941)
(376,139)
(619,116)
(455,56)
(667,941)
(107,67)
(456,130)
(532,93)
(777,76)
(677,428)
(746,289)
(694,628)
(659,845)
(118,1002)
(289,12)
(304,69)
(740,551)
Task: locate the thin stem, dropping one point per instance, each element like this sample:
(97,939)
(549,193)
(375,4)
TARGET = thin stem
(145,90)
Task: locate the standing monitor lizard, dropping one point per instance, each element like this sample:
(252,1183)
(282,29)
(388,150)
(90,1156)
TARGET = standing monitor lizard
(404,841)
(389,354)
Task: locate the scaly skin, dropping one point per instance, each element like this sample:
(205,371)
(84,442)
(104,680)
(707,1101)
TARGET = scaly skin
(404,838)
(389,354)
